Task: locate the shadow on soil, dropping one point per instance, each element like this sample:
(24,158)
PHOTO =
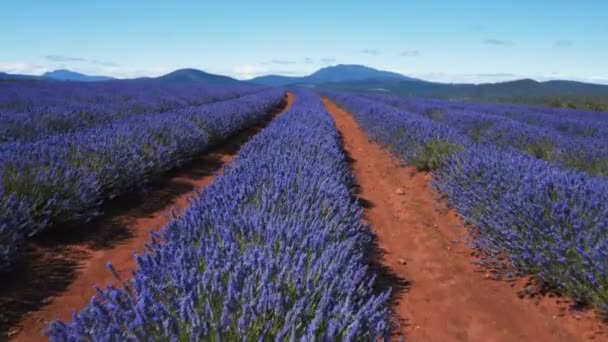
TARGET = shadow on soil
(52,259)
(386,278)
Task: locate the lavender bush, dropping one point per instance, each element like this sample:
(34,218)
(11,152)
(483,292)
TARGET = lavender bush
(272,250)
(64,178)
(550,220)
(35,109)
(579,144)
(415,140)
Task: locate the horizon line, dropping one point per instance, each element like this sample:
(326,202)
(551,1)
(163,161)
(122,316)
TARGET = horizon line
(425,77)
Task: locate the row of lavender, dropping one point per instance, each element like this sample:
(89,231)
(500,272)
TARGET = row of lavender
(31,110)
(580,144)
(63,179)
(573,122)
(272,250)
(551,221)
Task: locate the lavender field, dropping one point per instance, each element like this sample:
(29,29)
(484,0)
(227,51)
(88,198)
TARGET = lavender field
(70,156)
(276,246)
(303,171)
(530,181)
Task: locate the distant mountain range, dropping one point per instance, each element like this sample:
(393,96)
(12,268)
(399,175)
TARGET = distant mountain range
(177,76)
(365,79)
(524,91)
(57,75)
(5,76)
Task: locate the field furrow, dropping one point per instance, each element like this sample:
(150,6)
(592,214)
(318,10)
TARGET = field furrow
(274,249)
(62,267)
(63,180)
(440,295)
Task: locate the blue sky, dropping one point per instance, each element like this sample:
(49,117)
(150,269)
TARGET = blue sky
(452,41)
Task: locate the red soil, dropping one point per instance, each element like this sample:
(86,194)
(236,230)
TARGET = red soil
(441,295)
(60,272)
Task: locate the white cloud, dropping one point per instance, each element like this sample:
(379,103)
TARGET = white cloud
(499,42)
(248,71)
(446,77)
(104,63)
(372,52)
(327,60)
(282,61)
(105,69)
(121,72)
(410,53)
(62,58)
(21,68)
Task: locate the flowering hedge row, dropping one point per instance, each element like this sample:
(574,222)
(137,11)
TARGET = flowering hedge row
(35,109)
(417,141)
(583,123)
(550,220)
(580,144)
(272,250)
(64,178)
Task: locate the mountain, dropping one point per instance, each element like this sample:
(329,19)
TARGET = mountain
(178,76)
(274,80)
(524,91)
(197,76)
(67,75)
(332,74)
(346,72)
(5,76)
(366,79)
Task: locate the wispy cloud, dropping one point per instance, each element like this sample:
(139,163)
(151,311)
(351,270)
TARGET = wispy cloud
(372,52)
(282,62)
(70,59)
(498,42)
(62,59)
(133,72)
(564,43)
(245,72)
(448,77)
(102,63)
(287,72)
(496,75)
(308,60)
(409,53)
(327,60)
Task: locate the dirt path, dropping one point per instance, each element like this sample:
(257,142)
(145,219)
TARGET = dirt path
(447,299)
(62,269)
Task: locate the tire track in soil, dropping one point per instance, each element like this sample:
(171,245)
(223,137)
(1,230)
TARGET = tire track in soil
(448,297)
(61,268)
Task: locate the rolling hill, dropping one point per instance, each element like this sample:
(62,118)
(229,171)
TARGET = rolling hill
(524,91)
(365,79)
(332,74)
(197,76)
(68,75)
(177,76)
(6,76)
